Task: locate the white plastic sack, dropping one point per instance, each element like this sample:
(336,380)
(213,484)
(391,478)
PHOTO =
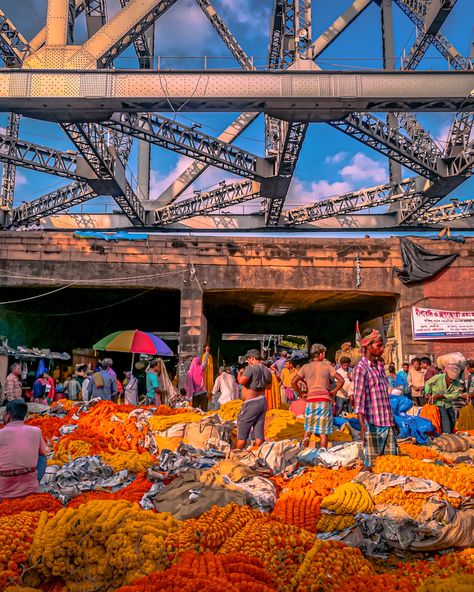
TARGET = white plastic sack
(453,358)
(344,455)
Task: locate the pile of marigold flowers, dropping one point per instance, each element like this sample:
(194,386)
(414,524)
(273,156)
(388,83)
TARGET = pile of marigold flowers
(31,503)
(207,572)
(101,545)
(16,535)
(412,501)
(459,478)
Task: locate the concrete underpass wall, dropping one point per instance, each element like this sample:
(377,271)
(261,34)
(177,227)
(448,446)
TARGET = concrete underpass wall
(195,265)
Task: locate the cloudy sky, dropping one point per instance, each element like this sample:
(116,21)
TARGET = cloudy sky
(330,162)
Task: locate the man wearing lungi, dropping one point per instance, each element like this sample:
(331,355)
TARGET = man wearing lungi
(372,401)
(317,376)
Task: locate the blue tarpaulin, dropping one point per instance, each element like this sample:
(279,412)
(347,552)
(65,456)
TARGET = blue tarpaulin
(112,236)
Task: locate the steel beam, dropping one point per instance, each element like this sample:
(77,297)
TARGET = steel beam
(142,46)
(416,10)
(437,12)
(413,153)
(285,139)
(96,15)
(172,135)
(225,34)
(202,203)
(54,202)
(413,208)
(197,167)
(353,201)
(124,29)
(452,211)
(292,95)
(107,174)
(38,158)
(57,23)
(7,191)
(13,46)
(338,26)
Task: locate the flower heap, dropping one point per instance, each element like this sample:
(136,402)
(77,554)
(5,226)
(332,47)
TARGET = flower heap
(280,547)
(102,544)
(131,493)
(460,478)
(212,529)
(412,501)
(16,535)
(327,564)
(207,572)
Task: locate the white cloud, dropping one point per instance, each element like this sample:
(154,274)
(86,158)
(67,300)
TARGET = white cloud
(206,181)
(20,179)
(336,158)
(443,134)
(306,193)
(245,12)
(363,168)
(184,31)
(159,182)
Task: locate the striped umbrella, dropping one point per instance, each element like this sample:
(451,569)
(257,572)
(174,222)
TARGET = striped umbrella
(134,342)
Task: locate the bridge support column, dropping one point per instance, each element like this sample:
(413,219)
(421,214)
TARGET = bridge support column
(192,330)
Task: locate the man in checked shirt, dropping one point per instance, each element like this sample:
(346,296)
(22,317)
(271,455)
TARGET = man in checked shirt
(372,401)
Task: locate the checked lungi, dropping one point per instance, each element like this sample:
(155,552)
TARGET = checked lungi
(318,417)
(379,441)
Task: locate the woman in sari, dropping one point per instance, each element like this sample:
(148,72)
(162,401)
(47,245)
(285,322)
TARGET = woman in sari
(195,388)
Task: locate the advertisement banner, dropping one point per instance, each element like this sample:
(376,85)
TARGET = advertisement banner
(430,323)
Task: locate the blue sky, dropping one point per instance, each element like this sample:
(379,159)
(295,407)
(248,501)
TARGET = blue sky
(330,163)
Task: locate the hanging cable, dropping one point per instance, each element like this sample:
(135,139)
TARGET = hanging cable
(38,295)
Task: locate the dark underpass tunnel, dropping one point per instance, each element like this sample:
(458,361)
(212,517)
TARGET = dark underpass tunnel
(324,317)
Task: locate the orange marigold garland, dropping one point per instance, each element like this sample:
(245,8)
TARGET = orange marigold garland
(280,547)
(31,503)
(16,535)
(459,478)
(212,529)
(412,501)
(131,493)
(207,572)
(300,507)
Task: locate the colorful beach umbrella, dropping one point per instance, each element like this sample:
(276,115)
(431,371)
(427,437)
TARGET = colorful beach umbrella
(134,342)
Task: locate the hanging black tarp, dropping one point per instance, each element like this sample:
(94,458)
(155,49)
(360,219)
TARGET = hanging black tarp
(419,264)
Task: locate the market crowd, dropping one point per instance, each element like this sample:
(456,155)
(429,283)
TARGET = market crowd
(318,390)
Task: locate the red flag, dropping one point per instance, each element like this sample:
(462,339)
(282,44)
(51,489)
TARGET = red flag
(357,334)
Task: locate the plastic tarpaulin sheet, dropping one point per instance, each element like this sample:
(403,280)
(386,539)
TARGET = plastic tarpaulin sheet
(419,264)
(111,236)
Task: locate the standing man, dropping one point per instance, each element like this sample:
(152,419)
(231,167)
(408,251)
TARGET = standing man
(102,385)
(13,383)
(286,376)
(280,363)
(21,447)
(401,380)
(255,378)
(372,401)
(224,389)
(416,381)
(153,392)
(345,397)
(428,367)
(444,389)
(317,376)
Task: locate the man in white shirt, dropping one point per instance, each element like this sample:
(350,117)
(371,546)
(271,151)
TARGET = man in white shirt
(224,389)
(345,396)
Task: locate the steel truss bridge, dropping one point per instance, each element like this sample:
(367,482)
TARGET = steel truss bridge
(103,110)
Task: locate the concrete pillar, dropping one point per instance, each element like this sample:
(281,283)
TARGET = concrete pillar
(193,328)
